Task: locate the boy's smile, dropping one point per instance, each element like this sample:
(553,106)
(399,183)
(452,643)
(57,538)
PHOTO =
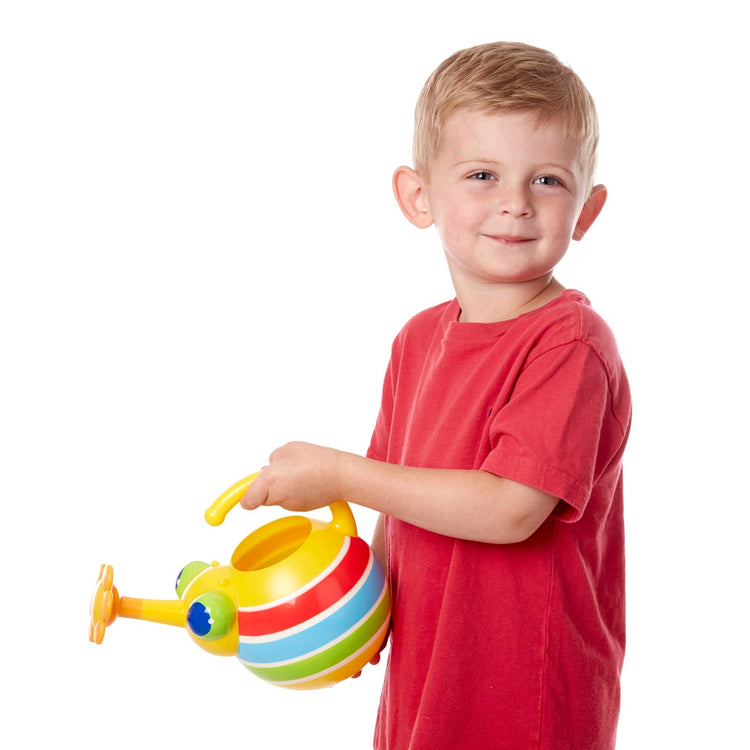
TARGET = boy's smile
(507,195)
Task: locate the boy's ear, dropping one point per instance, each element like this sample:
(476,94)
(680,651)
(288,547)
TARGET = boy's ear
(591,209)
(411,196)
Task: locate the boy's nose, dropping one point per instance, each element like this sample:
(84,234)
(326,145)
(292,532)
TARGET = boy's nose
(515,201)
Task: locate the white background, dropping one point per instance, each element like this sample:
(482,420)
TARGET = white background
(201,259)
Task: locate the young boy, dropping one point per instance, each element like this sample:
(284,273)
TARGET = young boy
(496,459)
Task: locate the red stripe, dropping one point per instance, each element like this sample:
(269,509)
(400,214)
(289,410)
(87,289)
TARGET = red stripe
(312,602)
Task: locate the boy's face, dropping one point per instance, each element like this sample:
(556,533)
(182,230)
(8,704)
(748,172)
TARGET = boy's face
(506,195)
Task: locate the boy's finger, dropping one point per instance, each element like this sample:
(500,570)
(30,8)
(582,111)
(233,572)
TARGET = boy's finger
(256,495)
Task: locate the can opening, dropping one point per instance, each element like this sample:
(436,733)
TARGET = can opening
(271,544)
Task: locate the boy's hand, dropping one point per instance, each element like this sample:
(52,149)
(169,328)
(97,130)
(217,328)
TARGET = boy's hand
(299,477)
(376,659)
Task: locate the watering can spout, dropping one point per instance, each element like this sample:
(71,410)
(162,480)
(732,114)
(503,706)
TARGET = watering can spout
(107,605)
(165,611)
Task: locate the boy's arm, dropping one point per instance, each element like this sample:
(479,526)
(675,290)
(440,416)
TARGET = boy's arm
(466,504)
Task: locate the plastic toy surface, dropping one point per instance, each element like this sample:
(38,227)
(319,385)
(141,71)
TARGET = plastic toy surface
(303,604)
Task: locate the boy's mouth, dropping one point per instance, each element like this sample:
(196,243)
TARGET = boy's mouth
(509,239)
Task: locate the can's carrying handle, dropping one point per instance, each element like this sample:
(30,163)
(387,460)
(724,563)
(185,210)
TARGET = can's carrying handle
(216,514)
(343,518)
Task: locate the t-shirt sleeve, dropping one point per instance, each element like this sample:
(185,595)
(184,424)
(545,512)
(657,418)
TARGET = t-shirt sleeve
(557,430)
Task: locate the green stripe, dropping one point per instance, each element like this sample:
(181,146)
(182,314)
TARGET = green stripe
(332,656)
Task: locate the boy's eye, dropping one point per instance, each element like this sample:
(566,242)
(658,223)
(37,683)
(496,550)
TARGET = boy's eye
(547,180)
(482,176)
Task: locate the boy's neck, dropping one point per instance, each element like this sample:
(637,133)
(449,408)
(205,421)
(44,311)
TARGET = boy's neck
(494,304)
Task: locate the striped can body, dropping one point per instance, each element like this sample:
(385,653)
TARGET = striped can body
(326,630)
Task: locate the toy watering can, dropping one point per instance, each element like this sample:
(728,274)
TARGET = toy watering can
(303,604)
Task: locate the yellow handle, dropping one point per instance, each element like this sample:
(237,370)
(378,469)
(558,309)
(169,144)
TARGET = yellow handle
(343,518)
(216,514)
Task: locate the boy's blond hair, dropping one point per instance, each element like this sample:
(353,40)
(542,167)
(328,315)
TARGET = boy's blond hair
(505,77)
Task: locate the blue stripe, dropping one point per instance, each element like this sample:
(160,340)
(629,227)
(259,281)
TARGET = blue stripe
(323,632)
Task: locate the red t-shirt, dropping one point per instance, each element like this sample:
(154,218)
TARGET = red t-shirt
(513,646)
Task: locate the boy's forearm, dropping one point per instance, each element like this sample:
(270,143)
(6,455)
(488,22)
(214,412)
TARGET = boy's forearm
(466,504)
